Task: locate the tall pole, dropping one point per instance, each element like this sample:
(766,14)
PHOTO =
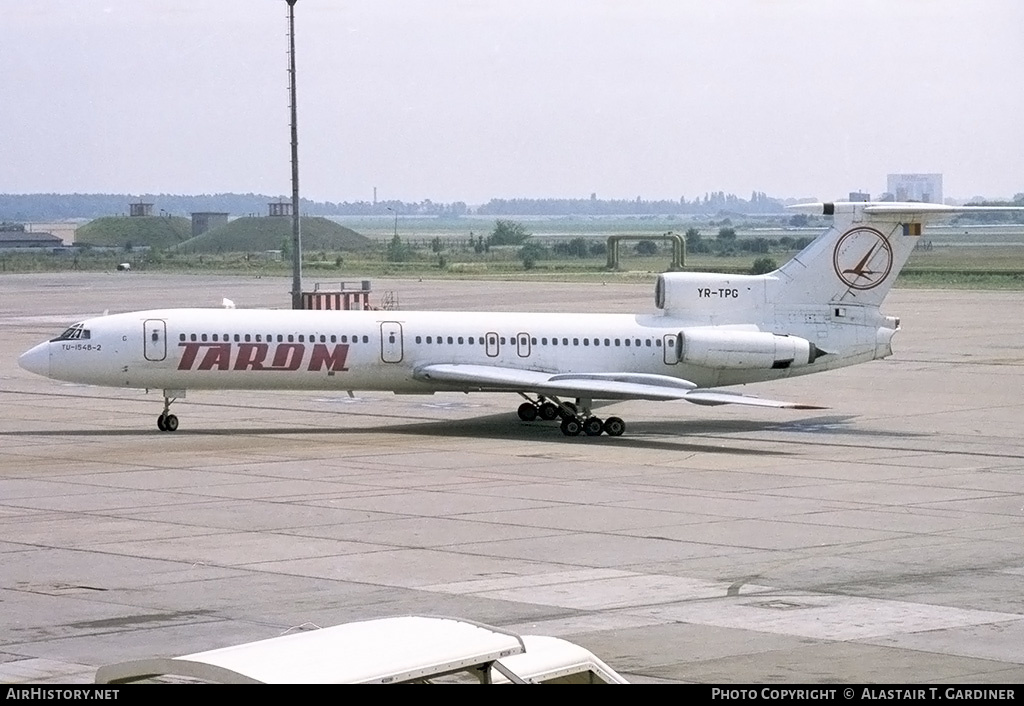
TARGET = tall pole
(296,231)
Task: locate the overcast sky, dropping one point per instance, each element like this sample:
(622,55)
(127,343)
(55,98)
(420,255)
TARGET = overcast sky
(456,100)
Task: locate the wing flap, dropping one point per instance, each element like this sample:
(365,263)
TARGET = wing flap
(605,386)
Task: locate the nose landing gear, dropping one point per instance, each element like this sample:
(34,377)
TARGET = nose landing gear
(167,421)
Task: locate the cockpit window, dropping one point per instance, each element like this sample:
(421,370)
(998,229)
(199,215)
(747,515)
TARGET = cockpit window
(75,333)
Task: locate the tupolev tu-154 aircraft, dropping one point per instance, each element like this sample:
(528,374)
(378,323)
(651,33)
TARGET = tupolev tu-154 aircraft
(818,312)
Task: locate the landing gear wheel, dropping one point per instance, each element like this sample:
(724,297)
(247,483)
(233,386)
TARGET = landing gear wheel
(563,414)
(170,423)
(613,426)
(593,427)
(161,422)
(527,411)
(548,411)
(571,426)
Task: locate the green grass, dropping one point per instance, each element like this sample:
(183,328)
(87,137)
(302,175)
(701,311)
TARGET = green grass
(135,232)
(990,257)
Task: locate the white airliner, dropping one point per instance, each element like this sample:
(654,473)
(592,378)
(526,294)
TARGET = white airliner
(819,311)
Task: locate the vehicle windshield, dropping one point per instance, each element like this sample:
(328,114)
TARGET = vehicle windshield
(75,333)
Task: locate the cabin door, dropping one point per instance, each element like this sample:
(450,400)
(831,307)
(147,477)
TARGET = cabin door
(670,343)
(523,345)
(491,346)
(391,348)
(154,339)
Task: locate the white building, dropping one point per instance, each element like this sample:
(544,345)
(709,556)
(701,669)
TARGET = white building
(916,187)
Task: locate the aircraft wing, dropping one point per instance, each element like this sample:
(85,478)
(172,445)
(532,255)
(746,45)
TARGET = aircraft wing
(604,386)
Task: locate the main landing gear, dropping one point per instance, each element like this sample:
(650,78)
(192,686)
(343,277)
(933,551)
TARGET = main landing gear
(576,418)
(167,421)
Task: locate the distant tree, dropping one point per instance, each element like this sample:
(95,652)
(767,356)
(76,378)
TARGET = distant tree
(799,220)
(530,253)
(397,251)
(695,242)
(646,247)
(507,233)
(763,265)
(435,245)
(577,247)
(726,234)
(599,248)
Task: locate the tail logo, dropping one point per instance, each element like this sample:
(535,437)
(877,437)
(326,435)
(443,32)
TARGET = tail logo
(862,258)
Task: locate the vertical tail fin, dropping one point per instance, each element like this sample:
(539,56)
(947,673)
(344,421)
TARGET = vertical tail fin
(857,260)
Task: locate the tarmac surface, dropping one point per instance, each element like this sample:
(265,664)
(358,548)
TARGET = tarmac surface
(879,540)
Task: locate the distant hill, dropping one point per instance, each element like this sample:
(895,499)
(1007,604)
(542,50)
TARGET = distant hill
(270,233)
(157,232)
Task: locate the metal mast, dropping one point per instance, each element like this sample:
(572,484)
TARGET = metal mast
(296,230)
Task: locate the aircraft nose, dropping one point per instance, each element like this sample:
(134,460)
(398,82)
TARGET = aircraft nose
(36,360)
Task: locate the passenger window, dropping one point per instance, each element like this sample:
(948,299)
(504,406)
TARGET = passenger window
(607,342)
(181,337)
(366,339)
(565,341)
(657,342)
(258,337)
(247,338)
(450,340)
(648,343)
(543,341)
(575,341)
(460,340)
(470,340)
(418,340)
(203,338)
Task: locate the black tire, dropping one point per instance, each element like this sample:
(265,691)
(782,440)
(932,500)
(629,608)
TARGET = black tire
(593,427)
(171,423)
(527,411)
(548,411)
(160,423)
(613,426)
(563,414)
(571,426)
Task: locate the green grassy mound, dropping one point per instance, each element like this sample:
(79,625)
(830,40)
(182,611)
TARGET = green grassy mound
(155,232)
(274,233)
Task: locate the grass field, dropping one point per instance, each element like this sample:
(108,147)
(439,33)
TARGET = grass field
(975,257)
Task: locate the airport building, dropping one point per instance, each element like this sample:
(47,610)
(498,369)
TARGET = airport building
(915,187)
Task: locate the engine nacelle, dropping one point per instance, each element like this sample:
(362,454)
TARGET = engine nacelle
(744,350)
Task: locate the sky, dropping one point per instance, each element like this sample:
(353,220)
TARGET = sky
(452,100)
